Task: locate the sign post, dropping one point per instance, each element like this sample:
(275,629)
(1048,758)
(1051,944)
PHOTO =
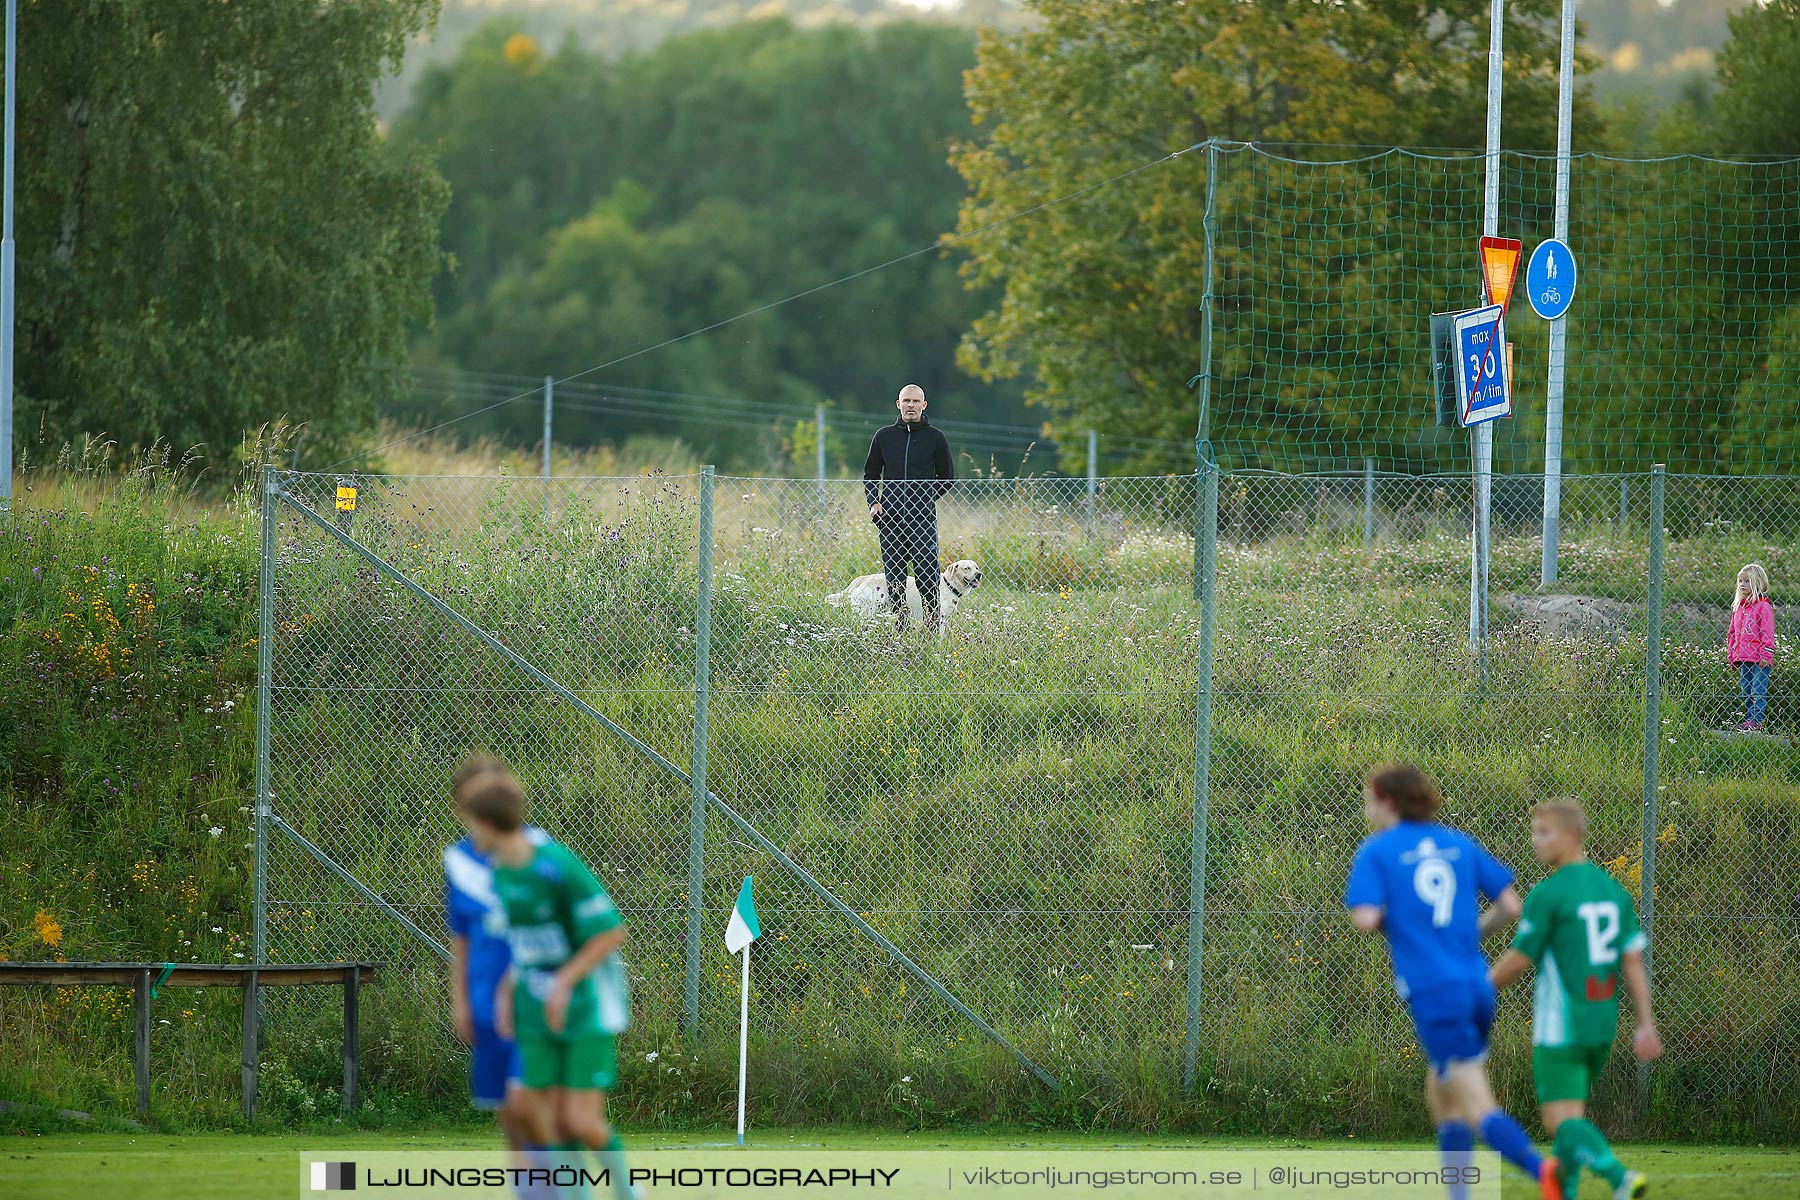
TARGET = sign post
(1482,437)
(1553,400)
(1550,287)
(1483,381)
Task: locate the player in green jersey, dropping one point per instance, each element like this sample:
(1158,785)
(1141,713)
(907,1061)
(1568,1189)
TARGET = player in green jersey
(565,995)
(1580,930)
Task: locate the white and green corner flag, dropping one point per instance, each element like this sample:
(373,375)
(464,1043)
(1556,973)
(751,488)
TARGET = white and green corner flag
(744,927)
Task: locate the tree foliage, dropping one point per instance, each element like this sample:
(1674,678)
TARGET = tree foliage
(209,234)
(1101,295)
(1759,70)
(1758,112)
(600,207)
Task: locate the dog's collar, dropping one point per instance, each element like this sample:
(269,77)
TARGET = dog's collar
(945,576)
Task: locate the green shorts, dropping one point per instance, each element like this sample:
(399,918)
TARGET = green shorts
(589,1061)
(1566,1072)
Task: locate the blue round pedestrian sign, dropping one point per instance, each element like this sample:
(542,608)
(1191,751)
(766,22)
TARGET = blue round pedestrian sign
(1550,279)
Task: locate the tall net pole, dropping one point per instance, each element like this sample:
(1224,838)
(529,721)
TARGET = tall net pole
(1484,432)
(6,270)
(1559,332)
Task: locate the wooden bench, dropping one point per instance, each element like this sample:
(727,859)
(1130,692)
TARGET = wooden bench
(143,977)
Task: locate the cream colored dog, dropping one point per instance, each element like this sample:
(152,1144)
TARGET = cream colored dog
(867,595)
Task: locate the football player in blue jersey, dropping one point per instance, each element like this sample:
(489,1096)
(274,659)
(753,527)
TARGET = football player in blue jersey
(1417,883)
(478,959)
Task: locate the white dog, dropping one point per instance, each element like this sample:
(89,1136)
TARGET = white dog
(867,595)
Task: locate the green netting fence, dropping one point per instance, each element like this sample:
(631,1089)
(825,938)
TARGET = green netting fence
(1683,341)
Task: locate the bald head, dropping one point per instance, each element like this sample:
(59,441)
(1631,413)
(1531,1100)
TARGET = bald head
(911,403)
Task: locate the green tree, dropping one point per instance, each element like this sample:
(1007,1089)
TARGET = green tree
(1758,109)
(1758,112)
(604,206)
(209,234)
(523,136)
(1765,434)
(1101,295)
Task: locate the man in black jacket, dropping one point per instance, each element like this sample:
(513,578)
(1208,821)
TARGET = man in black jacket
(907,470)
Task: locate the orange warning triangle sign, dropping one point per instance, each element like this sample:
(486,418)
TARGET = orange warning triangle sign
(1499,267)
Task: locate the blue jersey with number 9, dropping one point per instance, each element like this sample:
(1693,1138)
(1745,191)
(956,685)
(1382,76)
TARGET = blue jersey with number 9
(1425,878)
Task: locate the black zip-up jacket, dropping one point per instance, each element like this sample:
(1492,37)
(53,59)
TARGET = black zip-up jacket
(915,462)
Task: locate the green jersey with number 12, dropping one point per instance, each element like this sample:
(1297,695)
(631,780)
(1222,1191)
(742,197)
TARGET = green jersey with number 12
(1575,926)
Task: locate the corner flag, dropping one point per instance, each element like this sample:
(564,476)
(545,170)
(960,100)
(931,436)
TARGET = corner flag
(744,927)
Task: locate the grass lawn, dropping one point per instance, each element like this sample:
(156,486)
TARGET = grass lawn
(149,1166)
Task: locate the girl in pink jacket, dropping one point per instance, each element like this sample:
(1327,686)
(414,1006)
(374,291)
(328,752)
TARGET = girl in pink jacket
(1750,645)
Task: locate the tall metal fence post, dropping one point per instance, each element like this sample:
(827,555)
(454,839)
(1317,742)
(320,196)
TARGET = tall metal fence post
(1368,502)
(1652,739)
(1624,500)
(1208,553)
(265,659)
(549,409)
(819,455)
(1206,561)
(1202,447)
(690,1008)
(1559,328)
(1093,472)
(549,413)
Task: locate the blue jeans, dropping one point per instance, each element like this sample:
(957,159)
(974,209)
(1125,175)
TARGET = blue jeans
(1753,679)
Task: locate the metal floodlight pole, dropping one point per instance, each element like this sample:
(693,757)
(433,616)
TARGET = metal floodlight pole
(1484,432)
(6,268)
(1559,333)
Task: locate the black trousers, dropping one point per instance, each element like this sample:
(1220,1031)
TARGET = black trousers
(909,538)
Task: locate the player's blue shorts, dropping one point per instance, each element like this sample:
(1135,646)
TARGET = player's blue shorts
(1453,1026)
(494,1063)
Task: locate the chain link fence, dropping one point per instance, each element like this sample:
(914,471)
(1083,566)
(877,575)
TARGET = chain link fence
(973,848)
(377,690)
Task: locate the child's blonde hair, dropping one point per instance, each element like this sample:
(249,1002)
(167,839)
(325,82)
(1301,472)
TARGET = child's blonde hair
(1567,813)
(1758,579)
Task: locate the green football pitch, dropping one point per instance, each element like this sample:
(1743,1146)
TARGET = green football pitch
(147,1166)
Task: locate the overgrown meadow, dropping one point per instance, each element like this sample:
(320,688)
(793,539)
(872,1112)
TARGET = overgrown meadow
(1010,805)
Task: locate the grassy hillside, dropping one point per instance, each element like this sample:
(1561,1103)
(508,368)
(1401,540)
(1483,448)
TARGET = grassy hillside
(1011,805)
